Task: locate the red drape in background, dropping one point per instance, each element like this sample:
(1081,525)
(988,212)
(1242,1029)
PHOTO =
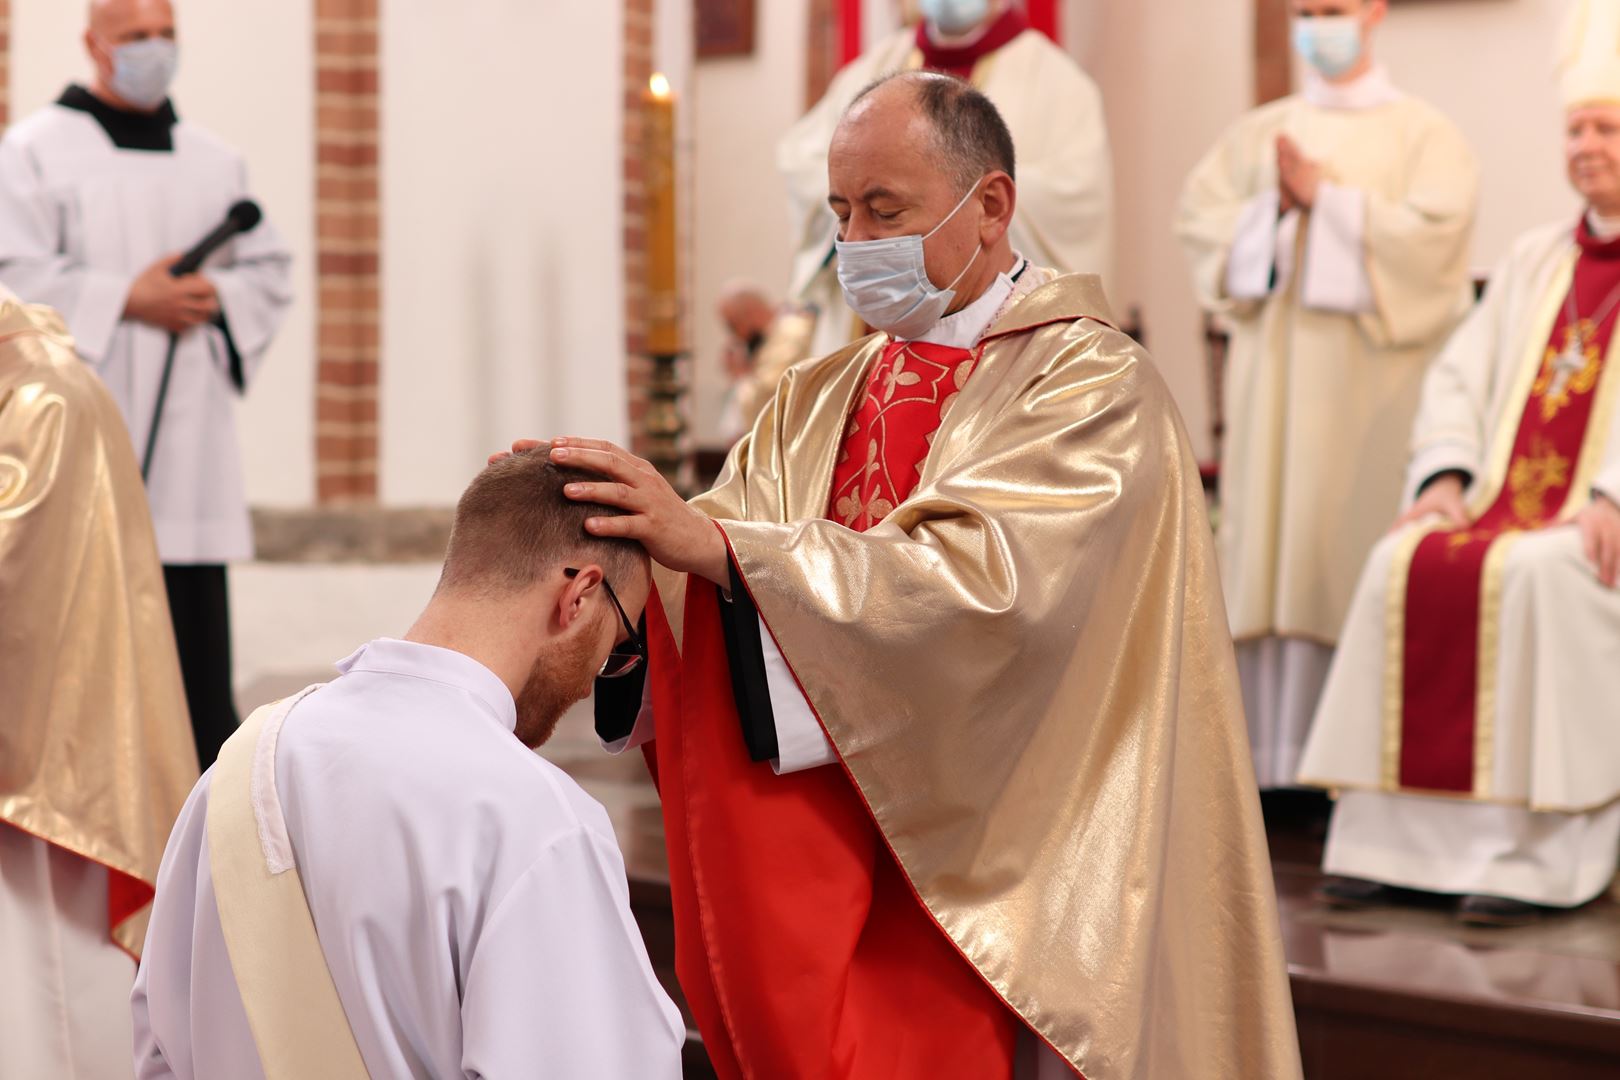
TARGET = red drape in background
(1043,16)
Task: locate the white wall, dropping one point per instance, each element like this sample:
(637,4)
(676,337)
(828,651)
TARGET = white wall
(1488,64)
(246,73)
(740,225)
(502,265)
(1173,75)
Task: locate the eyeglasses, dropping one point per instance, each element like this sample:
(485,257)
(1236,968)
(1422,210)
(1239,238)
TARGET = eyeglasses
(629,653)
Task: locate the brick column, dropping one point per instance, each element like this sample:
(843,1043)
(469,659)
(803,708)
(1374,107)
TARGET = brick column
(1273,55)
(638,68)
(824,46)
(347,250)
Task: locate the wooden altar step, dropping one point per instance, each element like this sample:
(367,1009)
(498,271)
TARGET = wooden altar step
(1399,993)
(1403,993)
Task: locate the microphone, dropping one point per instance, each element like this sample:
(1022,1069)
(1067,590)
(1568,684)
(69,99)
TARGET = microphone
(243,216)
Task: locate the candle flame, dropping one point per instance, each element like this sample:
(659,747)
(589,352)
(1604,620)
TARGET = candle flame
(659,85)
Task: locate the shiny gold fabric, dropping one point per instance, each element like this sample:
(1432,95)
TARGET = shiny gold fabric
(96,752)
(1027,671)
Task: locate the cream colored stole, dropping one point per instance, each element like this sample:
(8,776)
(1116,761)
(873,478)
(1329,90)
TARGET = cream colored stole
(292,1006)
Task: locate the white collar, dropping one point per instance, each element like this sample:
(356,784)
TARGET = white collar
(1367,92)
(390,656)
(963,329)
(1604,228)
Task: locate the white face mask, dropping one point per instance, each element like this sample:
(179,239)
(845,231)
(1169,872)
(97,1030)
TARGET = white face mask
(955,16)
(886,281)
(1329,43)
(144,70)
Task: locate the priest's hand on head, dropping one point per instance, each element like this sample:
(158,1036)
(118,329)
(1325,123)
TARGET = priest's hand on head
(674,534)
(1298,177)
(1443,496)
(1600,538)
(175,304)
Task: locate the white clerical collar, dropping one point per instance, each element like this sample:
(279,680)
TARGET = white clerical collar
(1604,228)
(963,329)
(390,656)
(1366,92)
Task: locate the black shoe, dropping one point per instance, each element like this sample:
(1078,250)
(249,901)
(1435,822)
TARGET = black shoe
(1349,892)
(1496,911)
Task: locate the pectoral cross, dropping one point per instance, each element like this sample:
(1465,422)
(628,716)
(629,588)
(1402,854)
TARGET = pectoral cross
(1569,363)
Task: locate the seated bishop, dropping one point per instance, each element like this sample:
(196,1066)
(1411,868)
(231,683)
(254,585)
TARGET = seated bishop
(1469,718)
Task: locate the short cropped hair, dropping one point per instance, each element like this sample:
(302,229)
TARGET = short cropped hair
(971,136)
(514,524)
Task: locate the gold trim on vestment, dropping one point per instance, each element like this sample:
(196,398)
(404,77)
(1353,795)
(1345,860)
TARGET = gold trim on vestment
(1400,568)
(1487,654)
(1337,787)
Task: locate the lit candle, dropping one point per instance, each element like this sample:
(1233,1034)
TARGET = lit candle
(663,287)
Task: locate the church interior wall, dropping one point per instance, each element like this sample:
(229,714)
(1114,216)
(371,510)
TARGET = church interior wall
(740,209)
(1173,75)
(503,291)
(1488,65)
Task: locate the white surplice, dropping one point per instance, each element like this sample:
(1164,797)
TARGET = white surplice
(469,897)
(1333,314)
(1064,170)
(64,985)
(1551,832)
(79,219)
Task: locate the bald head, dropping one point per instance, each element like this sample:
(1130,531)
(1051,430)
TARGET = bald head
(142,31)
(943,117)
(927,155)
(745,309)
(117,21)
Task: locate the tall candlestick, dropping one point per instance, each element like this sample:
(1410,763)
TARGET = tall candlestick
(664,426)
(663,289)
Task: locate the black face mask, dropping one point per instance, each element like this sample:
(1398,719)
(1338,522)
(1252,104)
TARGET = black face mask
(755,340)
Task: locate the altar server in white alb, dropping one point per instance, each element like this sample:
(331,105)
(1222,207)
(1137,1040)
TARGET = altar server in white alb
(1472,717)
(379,877)
(99,192)
(1330,230)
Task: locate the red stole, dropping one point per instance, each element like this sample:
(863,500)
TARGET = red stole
(800,945)
(1448,587)
(959,60)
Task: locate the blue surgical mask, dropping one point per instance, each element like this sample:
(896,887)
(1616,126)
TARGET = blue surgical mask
(1329,43)
(955,16)
(143,71)
(886,281)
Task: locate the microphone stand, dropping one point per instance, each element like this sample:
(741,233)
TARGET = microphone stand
(157,410)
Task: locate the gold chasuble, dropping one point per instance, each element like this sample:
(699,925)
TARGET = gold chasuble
(96,752)
(1020,655)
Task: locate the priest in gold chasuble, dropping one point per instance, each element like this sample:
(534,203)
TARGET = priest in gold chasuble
(941,703)
(1470,718)
(96,752)
(1052,107)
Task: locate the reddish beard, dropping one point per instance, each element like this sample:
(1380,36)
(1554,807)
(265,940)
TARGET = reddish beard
(560,677)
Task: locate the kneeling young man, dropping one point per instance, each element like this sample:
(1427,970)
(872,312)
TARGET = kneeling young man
(379,878)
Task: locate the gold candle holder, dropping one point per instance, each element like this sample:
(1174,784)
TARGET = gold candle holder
(664,423)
